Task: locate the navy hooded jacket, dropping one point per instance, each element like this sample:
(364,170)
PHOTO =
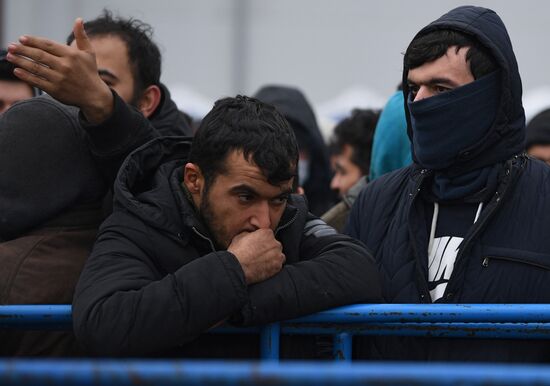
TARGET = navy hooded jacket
(505,255)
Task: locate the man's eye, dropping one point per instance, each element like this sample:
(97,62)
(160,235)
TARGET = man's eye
(245,197)
(413,89)
(280,200)
(440,89)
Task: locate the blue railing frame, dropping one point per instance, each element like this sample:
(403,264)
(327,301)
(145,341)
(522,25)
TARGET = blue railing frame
(512,321)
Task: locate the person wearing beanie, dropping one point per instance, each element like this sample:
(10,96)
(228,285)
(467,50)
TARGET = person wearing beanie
(59,160)
(468,221)
(537,141)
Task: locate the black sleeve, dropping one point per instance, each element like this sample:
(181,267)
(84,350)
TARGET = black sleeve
(111,141)
(123,305)
(334,270)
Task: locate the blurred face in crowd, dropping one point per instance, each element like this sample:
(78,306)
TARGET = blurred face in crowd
(12,91)
(346,173)
(239,199)
(541,152)
(114,66)
(443,74)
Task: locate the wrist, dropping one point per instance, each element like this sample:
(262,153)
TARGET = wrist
(99,107)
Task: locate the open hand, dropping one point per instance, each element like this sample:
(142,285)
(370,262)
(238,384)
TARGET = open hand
(69,74)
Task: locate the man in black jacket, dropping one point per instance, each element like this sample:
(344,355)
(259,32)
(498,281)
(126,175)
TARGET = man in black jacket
(207,232)
(466,223)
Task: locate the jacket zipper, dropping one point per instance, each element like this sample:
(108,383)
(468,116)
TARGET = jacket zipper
(204,238)
(478,226)
(485,262)
(425,291)
(288,223)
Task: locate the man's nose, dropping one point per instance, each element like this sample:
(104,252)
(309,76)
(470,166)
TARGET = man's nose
(335,182)
(260,219)
(422,93)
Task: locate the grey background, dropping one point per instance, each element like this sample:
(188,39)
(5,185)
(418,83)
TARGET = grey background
(216,48)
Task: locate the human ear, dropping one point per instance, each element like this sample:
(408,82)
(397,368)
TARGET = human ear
(149,100)
(193,179)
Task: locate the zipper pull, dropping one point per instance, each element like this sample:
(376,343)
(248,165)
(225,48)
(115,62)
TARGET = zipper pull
(485,262)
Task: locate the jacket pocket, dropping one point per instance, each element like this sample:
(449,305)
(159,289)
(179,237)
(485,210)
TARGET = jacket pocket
(535,259)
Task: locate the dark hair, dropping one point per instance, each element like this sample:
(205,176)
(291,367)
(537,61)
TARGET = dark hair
(253,127)
(358,132)
(143,54)
(433,45)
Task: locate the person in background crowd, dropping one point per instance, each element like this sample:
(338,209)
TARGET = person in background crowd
(538,136)
(314,167)
(12,89)
(351,146)
(391,147)
(467,222)
(59,161)
(208,231)
(129,62)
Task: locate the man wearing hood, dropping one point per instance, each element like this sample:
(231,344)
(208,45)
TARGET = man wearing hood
(460,225)
(314,168)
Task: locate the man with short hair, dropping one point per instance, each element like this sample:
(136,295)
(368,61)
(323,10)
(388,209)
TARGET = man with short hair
(459,225)
(351,146)
(129,62)
(208,231)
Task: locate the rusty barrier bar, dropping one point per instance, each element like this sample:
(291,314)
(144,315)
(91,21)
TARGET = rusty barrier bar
(432,313)
(141,372)
(25,316)
(512,321)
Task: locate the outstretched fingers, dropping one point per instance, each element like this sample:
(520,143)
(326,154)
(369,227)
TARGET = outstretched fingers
(19,51)
(50,46)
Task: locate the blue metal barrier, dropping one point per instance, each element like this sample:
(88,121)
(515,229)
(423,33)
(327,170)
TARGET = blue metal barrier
(120,373)
(512,321)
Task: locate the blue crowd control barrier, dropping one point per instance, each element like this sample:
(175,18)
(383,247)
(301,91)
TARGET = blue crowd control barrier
(139,372)
(512,321)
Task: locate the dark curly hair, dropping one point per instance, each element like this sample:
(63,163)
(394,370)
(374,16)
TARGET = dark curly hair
(248,125)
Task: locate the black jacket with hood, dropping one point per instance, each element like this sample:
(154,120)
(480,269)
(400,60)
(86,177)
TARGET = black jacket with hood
(154,281)
(167,119)
(505,256)
(296,109)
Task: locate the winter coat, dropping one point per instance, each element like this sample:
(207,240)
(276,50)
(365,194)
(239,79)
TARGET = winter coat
(167,119)
(337,216)
(154,281)
(505,255)
(56,170)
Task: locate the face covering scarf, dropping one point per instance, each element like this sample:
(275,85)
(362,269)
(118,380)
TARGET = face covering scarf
(447,124)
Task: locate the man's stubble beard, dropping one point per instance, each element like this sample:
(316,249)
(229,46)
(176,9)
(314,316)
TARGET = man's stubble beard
(208,218)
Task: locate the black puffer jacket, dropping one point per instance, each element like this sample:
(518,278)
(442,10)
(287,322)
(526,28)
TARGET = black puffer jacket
(154,282)
(505,256)
(167,119)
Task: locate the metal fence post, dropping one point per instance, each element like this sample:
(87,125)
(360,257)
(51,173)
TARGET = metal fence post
(342,347)
(269,341)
